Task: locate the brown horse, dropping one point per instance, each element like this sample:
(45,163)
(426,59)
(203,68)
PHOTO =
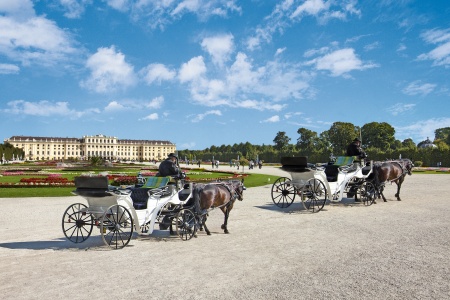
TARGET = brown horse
(217,195)
(391,171)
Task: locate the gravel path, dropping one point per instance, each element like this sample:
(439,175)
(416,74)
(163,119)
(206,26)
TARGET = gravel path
(393,250)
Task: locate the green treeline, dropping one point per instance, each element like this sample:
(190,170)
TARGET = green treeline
(8,152)
(377,139)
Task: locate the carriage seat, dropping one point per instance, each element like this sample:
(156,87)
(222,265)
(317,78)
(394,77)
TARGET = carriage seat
(366,170)
(140,195)
(332,171)
(88,186)
(154,182)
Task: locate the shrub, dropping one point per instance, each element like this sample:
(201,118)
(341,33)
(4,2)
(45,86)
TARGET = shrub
(418,163)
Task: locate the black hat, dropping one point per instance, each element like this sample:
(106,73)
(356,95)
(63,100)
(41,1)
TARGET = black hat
(172,155)
(357,140)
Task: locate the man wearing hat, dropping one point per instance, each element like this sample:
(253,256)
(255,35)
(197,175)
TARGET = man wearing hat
(354,149)
(169,166)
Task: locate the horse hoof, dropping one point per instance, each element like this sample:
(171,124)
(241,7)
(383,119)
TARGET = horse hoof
(208,233)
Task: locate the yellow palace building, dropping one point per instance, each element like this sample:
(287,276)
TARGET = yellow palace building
(107,147)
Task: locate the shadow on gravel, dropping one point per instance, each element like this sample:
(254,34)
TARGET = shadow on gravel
(57,244)
(295,207)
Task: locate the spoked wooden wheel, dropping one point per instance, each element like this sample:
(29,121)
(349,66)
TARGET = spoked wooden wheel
(77,224)
(186,224)
(368,193)
(283,192)
(116,226)
(315,195)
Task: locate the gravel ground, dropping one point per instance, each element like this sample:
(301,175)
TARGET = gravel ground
(393,250)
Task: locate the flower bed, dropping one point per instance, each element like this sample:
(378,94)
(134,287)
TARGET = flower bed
(50,180)
(124,180)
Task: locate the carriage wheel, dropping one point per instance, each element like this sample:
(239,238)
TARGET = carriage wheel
(283,192)
(315,195)
(368,193)
(76,224)
(186,224)
(116,226)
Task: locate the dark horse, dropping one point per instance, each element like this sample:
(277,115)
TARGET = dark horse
(217,195)
(391,171)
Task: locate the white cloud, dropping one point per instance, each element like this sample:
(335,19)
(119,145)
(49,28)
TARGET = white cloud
(310,7)
(9,69)
(160,13)
(260,105)
(155,103)
(292,114)
(190,145)
(340,62)
(151,117)
(441,54)
(121,5)
(245,85)
(401,47)
(114,106)
(157,73)
(31,39)
(109,71)
(192,70)
(200,117)
(279,51)
(74,8)
(18,9)
(372,46)
(289,12)
(219,47)
(400,108)
(273,119)
(419,88)
(420,130)
(45,109)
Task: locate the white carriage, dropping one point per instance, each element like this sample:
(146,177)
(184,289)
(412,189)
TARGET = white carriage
(114,211)
(317,184)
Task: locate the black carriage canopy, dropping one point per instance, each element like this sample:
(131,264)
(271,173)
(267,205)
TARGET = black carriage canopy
(295,164)
(92,186)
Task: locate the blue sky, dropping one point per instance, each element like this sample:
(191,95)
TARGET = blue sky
(213,72)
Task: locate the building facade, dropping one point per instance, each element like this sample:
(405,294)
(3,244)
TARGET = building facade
(106,147)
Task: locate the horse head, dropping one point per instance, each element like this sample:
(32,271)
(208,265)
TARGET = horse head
(238,188)
(408,165)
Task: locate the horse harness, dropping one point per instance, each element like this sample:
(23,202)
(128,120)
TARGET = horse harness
(234,194)
(404,170)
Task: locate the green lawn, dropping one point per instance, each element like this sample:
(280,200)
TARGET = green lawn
(252,180)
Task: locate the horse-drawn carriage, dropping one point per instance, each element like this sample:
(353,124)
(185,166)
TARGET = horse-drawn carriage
(118,212)
(317,184)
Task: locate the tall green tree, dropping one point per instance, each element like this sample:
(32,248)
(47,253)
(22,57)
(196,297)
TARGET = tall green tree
(442,133)
(281,141)
(409,143)
(308,141)
(378,135)
(340,135)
